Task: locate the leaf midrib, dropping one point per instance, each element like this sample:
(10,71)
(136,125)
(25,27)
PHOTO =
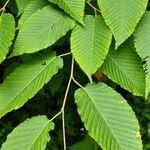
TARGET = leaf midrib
(40,132)
(3,108)
(98,110)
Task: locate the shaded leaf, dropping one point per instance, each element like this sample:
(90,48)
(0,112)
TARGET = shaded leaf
(22,4)
(7,31)
(31,8)
(87,142)
(142,44)
(74,8)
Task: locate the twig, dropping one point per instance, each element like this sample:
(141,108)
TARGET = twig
(66,54)
(64,102)
(55,116)
(71,78)
(3,8)
(76,82)
(95,9)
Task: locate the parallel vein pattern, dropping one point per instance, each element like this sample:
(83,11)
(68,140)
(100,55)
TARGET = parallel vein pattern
(32,134)
(27,80)
(41,30)
(124,67)
(74,8)
(90,44)
(122,16)
(22,4)
(108,118)
(142,44)
(31,8)
(7,31)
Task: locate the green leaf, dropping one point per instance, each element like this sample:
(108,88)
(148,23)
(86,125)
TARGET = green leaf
(41,30)
(87,143)
(142,44)
(122,16)
(7,31)
(57,81)
(108,118)
(75,8)
(125,68)
(27,80)
(32,134)
(147,66)
(22,4)
(90,44)
(32,8)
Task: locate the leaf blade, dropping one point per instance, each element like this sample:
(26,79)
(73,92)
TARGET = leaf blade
(142,45)
(125,68)
(123,21)
(32,134)
(31,8)
(90,44)
(74,7)
(41,30)
(27,80)
(22,5)
(108,118)
(7,32)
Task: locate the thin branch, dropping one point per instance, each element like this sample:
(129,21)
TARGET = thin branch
(95,9)
(76,82)
(64,130)
(64,102)
(66,54)
(55,116)
(3,8)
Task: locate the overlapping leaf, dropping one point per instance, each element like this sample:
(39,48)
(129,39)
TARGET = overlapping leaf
(142,44)
(32,134)
(90,44)
(22,4)
(7,31)
(27,80)
(41,30)
(108,118)
(31,8)
(125,67)
(73,7)
(147,78)
(122,16)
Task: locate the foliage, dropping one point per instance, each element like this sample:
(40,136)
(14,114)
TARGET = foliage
(106,43)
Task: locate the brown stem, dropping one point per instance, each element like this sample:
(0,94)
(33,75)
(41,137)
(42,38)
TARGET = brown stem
(64,102)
